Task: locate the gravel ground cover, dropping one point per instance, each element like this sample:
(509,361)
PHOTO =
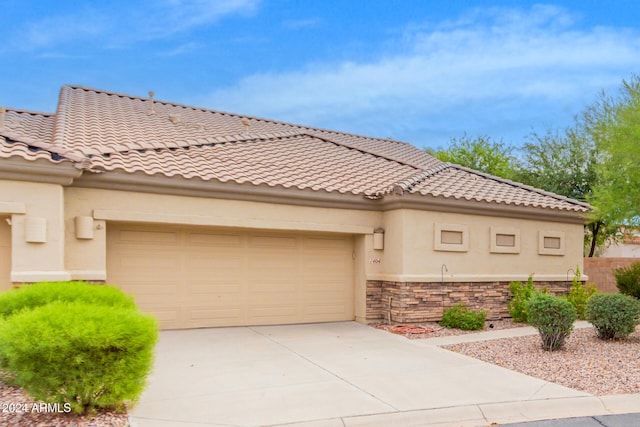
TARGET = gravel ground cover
(586,363)
(17,410)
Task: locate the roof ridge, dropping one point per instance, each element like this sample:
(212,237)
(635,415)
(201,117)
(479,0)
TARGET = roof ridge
(227,113)
(362,150)
(190,142)
(60,117)
(521,185)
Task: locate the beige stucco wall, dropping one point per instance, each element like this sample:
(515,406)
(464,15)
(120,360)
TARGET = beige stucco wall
(622,250)
(409,253)
(21,202)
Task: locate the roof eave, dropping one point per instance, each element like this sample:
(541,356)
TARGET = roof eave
(176,185)
(195,187)
(40,170)
(464,206)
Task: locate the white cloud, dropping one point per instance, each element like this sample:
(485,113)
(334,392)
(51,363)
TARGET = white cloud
(487,63)
(114,24)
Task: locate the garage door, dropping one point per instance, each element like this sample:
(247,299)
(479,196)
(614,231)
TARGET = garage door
(201,277)
(5,255)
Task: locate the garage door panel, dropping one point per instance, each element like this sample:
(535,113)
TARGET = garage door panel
(331,243)
(197,277)
(268,241)
(220,313)
(140,237)
(270,315)
(325,309)
(215,240)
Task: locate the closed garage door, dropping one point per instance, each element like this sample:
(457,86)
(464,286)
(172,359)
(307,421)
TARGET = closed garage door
(5,255)
(199,277)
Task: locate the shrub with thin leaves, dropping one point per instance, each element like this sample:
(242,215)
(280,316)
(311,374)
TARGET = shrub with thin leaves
(39,294)
(628,279)
(90,356)
(614,316)
(553,317)
(460,317)
(521,294)
(579,293)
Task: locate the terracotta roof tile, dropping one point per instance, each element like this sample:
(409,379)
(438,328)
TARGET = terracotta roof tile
(462,183)
(10,149)
(105,131)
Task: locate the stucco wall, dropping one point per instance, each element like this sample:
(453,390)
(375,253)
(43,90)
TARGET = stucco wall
(622,250)
(42,206)
(410,254)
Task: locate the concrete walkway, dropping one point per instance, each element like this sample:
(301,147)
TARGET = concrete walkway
(342,375)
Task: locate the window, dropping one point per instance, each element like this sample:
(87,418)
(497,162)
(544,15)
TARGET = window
(550,242)
(451,237)
(505,240)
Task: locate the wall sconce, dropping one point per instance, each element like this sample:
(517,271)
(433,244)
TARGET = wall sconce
(84,227)
(35,229)
(378,239)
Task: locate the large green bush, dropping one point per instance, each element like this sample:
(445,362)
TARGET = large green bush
(614,316)
(89,356)
(460,317)
(553,317)
(521,294)
(39,294)
(628,279)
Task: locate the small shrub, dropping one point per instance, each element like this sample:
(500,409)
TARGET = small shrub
(553,317)
(39,294)
(521,294)
(613,315)
(579,294)
(460,317)
(628,279)
(91,357)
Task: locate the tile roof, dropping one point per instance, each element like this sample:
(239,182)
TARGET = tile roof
(23,134)
(103,131)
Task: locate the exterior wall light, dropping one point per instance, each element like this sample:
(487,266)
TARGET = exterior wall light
(84,227)
(378,239)
(35,229)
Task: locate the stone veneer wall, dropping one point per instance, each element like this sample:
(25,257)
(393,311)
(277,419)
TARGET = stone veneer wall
(413,302)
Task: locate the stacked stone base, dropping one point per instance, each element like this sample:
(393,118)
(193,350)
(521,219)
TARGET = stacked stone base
(413,302)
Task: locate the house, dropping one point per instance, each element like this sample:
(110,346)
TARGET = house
(218,219)
(626,246)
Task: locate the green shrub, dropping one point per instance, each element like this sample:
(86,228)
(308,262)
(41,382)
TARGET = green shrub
(39,294)
(579,294)
(613,315)
(628,279)
(91,357)
(521,294)
(553,317)
(460,317)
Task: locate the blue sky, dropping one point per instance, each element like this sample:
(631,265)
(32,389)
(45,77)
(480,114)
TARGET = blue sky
(421,71)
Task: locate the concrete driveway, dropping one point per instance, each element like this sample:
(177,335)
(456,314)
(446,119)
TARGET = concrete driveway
(334,375)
